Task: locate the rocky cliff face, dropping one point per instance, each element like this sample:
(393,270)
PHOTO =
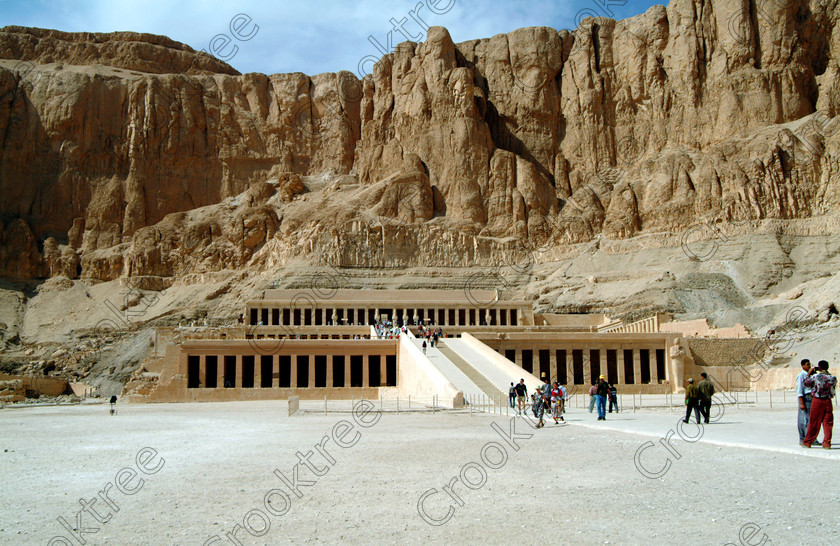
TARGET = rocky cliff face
(129,154)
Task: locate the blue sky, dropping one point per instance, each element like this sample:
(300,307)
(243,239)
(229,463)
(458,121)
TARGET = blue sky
(311,36)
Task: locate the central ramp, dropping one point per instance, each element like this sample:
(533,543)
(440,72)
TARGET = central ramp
(469,370)
(488,369)
(452,371)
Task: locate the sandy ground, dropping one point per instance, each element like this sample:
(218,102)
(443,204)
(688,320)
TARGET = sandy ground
(577,483)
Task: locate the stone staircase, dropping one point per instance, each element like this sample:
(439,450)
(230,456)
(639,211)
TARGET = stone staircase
(480,381)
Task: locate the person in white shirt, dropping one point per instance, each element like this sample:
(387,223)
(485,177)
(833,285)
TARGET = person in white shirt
(804,395)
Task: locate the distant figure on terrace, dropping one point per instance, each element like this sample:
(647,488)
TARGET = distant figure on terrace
(823,386)
(113,405)
(592,393)
(512,395)
(424,346)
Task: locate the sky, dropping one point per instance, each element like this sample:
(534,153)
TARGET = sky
(309,36)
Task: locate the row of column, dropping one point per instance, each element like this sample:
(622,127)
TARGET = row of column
(602,364)
(442,316)
(221,369)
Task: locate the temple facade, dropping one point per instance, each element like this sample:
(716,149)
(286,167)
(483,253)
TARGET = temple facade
(355,343)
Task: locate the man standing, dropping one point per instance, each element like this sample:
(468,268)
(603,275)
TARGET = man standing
(512,395)
(521,392)
(592,393)
(706,391)
(692,401)
(804,395)
(602,390)
(822,386)
(613,398)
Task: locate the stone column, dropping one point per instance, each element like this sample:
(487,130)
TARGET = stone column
(238,383)
(202,371)
(275,371)
(654,369)
(311,383)
(619,364)
(637,367)
(366,371)
(293,371)
(570,368)
(602,357)
(552,365)
(518,357)
(346,371)
(258,370)
(329,370)
(383,370)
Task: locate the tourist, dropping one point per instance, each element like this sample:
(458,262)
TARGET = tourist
(823,386)
(692,401)
(556,403)
(706,391)
(512,395)
(538,406)
(613,398)
(602,390)
(803,393)
(521,393)
(424,346)
(563,396)
(113,404)
(592,392)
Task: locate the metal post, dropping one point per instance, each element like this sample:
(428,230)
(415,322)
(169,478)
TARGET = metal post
(770,394)
(471,407)
(409,401)
(784,396)
(634,402)
(325,405)
(398,404)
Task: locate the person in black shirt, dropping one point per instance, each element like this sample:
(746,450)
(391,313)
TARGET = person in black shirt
(602,390)
(521,392)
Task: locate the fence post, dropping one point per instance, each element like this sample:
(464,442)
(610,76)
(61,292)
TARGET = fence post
(634,402)
(409,401)
(770,394)
(398,404)
(325,405)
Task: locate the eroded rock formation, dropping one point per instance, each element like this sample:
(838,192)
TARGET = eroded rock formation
(130,154)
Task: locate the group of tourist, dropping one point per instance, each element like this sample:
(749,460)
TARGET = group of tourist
(599,394)
(698,398)
(431,336)
(815,389)
(549,396)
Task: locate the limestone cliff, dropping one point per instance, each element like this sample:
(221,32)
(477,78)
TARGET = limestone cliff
(130,154)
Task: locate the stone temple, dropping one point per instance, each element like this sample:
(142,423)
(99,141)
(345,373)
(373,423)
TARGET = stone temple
(345,344)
